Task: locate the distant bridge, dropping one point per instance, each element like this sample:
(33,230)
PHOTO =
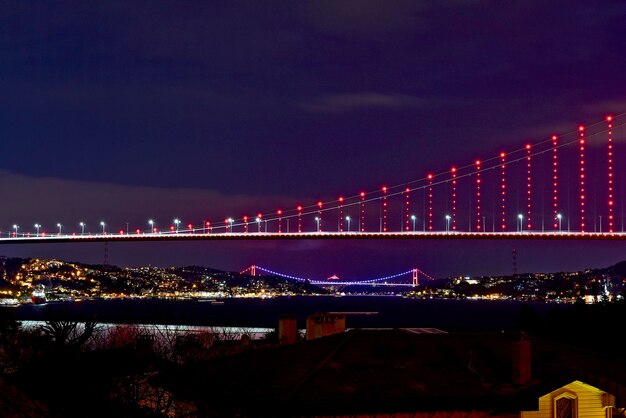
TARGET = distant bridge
(397,279)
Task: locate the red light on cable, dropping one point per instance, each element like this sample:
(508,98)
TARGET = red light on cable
(319,216)
(362,213)
(340,215)
(478,217)
(528,187)
(407,210)
(453,198)
(582,178)
(384,209)
(610,188)
(299,218)
(503,191)
(430,202)
(555,183)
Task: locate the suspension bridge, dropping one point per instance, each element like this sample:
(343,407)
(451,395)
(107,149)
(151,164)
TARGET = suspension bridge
(566,186)
(405,278)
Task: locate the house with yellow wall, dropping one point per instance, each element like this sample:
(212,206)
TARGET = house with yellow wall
(574,400)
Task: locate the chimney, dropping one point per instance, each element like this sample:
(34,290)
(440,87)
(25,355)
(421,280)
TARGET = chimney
(322,324)
(521,360)
(287,329)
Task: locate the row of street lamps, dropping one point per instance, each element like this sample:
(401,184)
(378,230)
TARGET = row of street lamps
(60,226)
(230,222)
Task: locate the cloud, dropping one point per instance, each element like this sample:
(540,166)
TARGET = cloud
(604,108)
(356,17)
(47,200)
(340,103)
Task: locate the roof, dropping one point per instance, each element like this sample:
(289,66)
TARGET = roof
(388,370)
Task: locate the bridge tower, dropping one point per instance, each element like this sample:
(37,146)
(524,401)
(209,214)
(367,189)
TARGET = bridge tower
(253,270)
(415,281)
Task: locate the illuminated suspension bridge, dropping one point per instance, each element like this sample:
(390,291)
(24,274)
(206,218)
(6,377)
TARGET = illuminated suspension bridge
(566,186)
(405,278)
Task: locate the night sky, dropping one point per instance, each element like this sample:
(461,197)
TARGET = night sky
(125,111)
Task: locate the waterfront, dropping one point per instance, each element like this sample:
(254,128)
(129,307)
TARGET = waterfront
(363,312)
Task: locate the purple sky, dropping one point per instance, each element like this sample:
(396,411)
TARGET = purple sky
(125,111)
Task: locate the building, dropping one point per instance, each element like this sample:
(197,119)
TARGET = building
(404,373)
(574,400)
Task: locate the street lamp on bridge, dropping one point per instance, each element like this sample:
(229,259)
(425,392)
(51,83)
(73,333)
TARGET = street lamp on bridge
(37,226)
(258,223)
(177,223)
(448,217)
(82,228)
(348,221)
(521,222)
(317,220)
(413,219)
(102,224)
(151,223)
(16,227)
(560,218)
(59,226)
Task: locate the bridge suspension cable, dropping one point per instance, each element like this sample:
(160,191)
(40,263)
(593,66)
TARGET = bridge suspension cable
(338,282)
(505,189)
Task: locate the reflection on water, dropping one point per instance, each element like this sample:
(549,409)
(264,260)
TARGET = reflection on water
(227,333)
(383,312)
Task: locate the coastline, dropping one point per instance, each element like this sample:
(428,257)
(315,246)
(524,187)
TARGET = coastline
(383,312)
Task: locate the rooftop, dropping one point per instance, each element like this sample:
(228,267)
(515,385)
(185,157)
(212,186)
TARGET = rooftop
(399,370)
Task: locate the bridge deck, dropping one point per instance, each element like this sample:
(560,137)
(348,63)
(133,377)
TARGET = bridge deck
(235,236)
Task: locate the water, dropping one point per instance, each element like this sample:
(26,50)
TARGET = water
(363,312)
